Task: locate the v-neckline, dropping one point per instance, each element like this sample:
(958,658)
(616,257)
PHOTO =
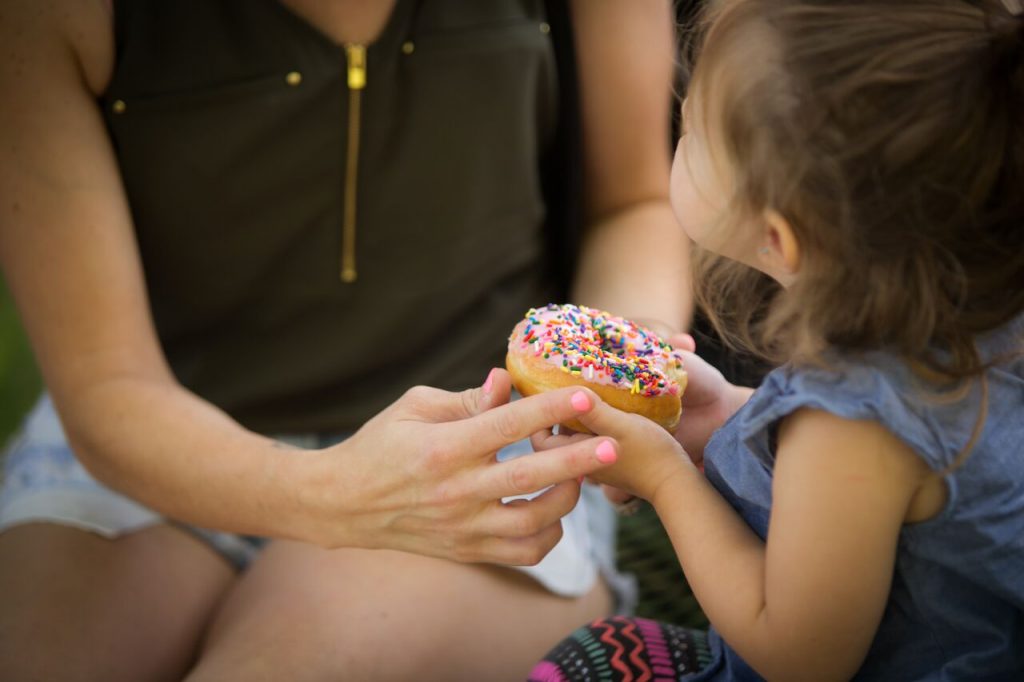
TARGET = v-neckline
(387,36)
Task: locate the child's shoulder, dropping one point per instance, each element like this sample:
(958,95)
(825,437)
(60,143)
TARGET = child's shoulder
(879,386)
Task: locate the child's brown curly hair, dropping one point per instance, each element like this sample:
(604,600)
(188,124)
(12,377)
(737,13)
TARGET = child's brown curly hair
(890,136)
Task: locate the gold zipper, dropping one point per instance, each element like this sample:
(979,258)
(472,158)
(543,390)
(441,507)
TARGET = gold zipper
(355,55)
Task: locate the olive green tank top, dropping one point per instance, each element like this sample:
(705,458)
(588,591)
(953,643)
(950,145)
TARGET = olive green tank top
(324,226)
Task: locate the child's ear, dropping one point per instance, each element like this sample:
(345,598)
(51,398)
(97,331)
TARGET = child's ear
(780,250)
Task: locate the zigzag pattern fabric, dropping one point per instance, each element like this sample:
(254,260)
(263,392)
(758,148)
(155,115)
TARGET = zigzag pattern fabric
(620,649)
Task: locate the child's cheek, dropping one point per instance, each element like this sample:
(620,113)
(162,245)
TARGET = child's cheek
(677,190)
(690,194)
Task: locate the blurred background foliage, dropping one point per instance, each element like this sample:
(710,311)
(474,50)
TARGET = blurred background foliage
(19,377)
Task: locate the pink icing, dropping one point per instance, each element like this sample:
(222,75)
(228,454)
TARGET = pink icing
(599,347)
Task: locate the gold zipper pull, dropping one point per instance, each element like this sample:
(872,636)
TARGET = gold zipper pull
(355,56)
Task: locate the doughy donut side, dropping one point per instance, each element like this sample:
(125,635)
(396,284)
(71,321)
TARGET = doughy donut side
(531,376)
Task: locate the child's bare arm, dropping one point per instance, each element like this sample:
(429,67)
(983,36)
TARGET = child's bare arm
(806,604)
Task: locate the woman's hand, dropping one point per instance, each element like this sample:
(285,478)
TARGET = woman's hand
(422,477)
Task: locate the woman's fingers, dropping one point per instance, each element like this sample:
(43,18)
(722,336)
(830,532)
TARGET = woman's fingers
(523,517)
(434,405)
(515,551)
(497,390)
(492,430)
(604,419)
(521,532)
(531,473)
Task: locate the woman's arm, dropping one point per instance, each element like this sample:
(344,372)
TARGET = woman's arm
(68,251)
(634,259)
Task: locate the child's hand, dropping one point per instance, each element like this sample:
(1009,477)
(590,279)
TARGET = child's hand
(708,401)
(646,453)
(622,502)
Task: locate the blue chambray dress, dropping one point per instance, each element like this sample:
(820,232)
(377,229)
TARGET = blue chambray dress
(956,609)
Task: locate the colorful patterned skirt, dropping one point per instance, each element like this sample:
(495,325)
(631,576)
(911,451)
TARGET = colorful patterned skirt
(620,649)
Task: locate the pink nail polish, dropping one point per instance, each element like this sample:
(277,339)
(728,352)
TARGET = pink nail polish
(606,452)
(580,401)
(489,382)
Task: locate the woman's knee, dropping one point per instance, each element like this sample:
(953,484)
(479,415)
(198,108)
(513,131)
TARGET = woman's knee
(79,606)
(385,615)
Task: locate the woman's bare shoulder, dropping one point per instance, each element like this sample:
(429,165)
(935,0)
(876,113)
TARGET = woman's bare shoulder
(57,30)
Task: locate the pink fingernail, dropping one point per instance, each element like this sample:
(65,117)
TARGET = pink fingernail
(489,382)
(580,480)
(606,452)
(580,401)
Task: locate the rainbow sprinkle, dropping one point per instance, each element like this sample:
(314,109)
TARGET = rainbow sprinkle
(603,348)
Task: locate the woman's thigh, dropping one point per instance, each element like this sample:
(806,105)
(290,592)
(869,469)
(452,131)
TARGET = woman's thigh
(303,613)
(77,606)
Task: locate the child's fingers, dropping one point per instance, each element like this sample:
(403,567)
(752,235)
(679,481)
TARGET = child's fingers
(541,440)
(616,495)
(545,439)
(682,341)
(705,384)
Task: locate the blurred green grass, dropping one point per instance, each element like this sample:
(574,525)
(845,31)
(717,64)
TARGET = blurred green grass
(19,377)
(645,550)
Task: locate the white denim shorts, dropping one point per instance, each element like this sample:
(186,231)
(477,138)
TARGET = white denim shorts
(43,481)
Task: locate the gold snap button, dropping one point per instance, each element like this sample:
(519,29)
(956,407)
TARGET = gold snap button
(293,78)
(545,27)
(408,47)
(119,106)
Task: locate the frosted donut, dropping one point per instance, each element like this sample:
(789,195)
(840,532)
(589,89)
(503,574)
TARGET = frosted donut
(628,366)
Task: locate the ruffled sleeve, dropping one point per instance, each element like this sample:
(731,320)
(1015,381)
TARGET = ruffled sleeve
(876,388)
